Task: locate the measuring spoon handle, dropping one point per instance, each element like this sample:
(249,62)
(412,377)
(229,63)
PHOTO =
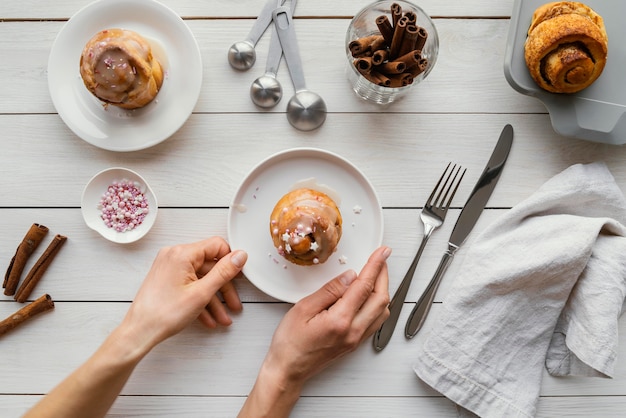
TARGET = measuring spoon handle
(283,21)
(275,52)
(262,21)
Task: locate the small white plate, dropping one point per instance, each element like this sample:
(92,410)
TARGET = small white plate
(113,128)
(93,192)
(249,213)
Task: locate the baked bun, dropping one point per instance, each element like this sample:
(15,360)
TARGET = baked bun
(567,46)
(305,226)
(118,67)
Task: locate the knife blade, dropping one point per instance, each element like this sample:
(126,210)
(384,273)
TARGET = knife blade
(474,206)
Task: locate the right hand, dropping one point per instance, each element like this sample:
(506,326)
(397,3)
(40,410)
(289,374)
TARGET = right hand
(332,321)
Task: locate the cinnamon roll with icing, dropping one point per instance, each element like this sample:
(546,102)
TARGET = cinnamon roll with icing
(567,46)
(305,226)
(117,66)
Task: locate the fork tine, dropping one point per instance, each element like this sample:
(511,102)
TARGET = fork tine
(430,198)
(446,186)
(439,200)
(447,204)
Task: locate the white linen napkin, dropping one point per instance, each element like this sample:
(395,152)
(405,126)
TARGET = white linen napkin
(543,285)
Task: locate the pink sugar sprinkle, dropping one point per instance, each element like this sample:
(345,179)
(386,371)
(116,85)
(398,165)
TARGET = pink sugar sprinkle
(123,206)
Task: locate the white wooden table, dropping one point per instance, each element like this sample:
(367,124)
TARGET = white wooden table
(456,114)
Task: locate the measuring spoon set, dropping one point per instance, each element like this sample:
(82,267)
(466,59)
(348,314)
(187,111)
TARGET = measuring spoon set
(306,110)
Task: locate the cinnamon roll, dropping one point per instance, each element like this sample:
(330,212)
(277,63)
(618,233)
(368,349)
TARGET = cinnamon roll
(567,46)
(117,66)
(305,226)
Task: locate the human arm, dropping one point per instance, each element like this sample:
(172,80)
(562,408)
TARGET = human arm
(317,330)
(180,286)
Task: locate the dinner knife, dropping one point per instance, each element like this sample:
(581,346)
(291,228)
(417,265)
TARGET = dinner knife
(467,219)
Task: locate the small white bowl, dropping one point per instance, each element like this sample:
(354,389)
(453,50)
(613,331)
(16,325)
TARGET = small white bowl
(97,187)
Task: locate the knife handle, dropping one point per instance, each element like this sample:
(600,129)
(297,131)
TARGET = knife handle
(422,307)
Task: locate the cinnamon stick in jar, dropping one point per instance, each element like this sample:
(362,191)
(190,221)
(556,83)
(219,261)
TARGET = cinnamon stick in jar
(411,17)
(361,46)
(380,56)
(29,244)
(409,40)
(422,35)
(382,79)
(363,64)
(398,36)
(42,304)
(36,273)
(396,13)
(400,80)
(411,58)
(385,28)
(419,68)
(392,67)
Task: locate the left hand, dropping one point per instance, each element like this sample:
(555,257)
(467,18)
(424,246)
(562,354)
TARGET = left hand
(182,285)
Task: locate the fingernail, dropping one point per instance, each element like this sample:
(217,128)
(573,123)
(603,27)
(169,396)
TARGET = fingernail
(239,258)
(386,252)
(348,277)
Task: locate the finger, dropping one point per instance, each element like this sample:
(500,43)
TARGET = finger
(361,289)
(376,324)
(207,252)
(231,297)
(376,304)
(327,295)
(207,320)
(223,272)
(218,311)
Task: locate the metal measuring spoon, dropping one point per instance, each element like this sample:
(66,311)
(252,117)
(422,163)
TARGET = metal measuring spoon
(306,110)
(266,90)
(241,55)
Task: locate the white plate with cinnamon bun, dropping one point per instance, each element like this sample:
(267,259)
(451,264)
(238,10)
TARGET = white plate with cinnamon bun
(125,75)
(304,216)
(569,55)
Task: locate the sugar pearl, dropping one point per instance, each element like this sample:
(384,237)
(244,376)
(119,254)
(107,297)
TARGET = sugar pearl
(123,206)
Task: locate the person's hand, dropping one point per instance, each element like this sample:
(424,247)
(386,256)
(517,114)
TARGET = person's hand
(332,321)
(317,330)
(182,285)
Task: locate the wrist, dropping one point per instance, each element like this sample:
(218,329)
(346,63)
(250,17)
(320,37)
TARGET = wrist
(274,394)
(128,344)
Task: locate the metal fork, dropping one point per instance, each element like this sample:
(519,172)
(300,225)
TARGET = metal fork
(432,216)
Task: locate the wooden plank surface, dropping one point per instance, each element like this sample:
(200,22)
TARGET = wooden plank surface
(456,115)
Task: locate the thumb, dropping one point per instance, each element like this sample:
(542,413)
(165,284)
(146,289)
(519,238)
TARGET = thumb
(224,271)
(328,294)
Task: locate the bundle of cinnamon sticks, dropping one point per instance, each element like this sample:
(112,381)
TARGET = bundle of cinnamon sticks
(25,249)
(392,57)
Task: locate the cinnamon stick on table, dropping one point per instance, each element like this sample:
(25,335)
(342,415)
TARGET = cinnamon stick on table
(44,303)
(35,274)
(29,243)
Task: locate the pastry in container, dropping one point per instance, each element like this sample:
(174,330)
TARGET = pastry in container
(567,46)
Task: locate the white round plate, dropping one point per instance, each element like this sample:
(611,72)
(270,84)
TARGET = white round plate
(249,213)
(93,192)
(110,127)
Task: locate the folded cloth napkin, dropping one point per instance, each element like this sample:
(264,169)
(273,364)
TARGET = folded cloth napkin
(544,284)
